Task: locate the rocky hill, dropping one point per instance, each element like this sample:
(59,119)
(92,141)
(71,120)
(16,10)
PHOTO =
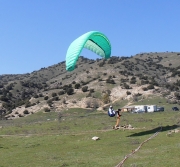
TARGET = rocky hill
(93,84)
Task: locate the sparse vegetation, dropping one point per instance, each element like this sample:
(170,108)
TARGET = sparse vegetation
(149,71)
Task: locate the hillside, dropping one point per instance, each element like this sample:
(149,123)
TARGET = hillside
(93,84)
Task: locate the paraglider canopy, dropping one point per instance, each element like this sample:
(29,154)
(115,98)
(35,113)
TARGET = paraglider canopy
(94,41)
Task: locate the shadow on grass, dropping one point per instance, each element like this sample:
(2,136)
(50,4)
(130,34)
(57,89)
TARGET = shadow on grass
(152,131)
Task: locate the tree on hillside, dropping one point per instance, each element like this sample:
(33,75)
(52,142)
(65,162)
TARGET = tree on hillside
(106,98)
(77,86)
(70,91)
(85,88)
(54,94)
(46,98)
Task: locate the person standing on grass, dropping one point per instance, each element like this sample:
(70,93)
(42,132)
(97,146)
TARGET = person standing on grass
(112,113)
(118,115)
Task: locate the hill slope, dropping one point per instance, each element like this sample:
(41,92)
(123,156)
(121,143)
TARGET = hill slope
(93,84)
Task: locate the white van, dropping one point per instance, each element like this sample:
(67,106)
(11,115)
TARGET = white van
(151,108)
(139,109)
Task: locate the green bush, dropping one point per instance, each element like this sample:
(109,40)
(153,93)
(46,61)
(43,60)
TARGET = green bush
(143,82)
(35,96)
(106,98)
(126,86)
(55,98)
(110,80)
(40,95)
(70,91)
(46,109)
(27,104)
(3,98)
(1,86)
(132,81)
(91,90)
(61,92)
(177,95)
(26,112)
(74,82)
(101,64)
(54,94)
(50,102)
(77,86)
(85,88)
(46,98)
(128,93)
(150,86)
(20,115)
(145,89)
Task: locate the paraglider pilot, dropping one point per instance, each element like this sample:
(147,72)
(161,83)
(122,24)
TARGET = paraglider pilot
(118,115)
(113,113)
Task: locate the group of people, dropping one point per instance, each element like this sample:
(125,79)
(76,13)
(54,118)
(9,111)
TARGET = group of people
(116,113)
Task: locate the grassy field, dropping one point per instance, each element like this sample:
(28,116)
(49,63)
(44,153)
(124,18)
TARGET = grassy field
(45,139)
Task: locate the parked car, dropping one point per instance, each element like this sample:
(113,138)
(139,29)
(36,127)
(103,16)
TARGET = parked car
(175,109)
(160,109)
(138,111)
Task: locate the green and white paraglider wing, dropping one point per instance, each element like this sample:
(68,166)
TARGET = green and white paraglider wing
(94,41)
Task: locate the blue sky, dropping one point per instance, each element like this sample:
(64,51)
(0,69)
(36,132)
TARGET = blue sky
(37,33)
